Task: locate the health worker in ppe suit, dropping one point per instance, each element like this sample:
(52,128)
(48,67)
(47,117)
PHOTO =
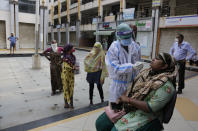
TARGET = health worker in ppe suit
(121,60)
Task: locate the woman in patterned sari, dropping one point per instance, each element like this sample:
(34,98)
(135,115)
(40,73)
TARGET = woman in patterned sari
(145,101)
(53,54)
(67,75)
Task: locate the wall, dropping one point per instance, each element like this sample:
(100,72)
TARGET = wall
(2,35)
(4,5)
(27,18)
(168,37)
(5,16)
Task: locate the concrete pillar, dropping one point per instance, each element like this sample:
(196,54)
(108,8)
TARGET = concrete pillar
(59,36)
(17,25)
(11,17)
(67,33)
(77,32)
(52,32)
(156,26)
(122,5)
(172,4)
(36,60)
(45,27)
(41,28)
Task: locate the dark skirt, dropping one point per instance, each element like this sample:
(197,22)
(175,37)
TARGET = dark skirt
(94,77)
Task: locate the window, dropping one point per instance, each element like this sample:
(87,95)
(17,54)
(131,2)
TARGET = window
(27,6)
(73,20)
(86,1)
(55,22)
(64,19)
(63,7)
(73,1)
(55,10)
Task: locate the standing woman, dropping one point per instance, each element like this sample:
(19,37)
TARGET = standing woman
(67,75)
(53,54)
(96,70)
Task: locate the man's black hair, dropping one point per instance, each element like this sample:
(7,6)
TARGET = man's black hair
(180,35)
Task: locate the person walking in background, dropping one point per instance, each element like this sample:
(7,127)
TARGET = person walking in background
(179,51)
(134,36)
(12,40)
(67,75)
(53,54)
(96,70)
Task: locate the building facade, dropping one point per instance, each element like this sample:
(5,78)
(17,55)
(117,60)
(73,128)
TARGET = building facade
(100,17)
(18,17)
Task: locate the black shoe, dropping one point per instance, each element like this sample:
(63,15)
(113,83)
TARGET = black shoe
(91,102)
(102,101)
(179,92)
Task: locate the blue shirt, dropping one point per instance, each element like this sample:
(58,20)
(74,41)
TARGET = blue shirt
(12,39)
(180,52)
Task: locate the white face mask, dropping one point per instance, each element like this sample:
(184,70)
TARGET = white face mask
(176,40)
(54,47)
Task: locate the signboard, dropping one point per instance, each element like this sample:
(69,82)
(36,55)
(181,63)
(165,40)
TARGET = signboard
(109,18)
(128,13)
(156,3)
(142,25)
(58,26)
(182,21)
(94,20)
(73,28)
(107,25)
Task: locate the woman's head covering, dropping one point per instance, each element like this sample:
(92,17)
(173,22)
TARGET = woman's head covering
(95,60)
(67,48)
(69,57)
(169,60)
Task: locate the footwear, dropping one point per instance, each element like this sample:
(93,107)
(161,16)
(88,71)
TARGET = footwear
(179,92)
(102,101)
(66,104)
(91,102)
(53,93)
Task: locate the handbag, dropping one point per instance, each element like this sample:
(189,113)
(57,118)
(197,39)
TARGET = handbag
(112,115)
(77,68)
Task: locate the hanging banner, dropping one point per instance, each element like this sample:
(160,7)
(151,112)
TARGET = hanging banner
(52,15)
(59,12)
(78,9)
(121,5)
(128,13)
(67,10)
(182,21)
(99,4)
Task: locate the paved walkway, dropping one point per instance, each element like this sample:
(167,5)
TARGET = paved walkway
(185,117)
(25,96)
(20,51)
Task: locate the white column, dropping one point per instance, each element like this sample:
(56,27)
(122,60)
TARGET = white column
(36,28)
(45,27)
(67,33)
(11,17)
(41,28)
(17,25)
(52,32)
(155,31)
